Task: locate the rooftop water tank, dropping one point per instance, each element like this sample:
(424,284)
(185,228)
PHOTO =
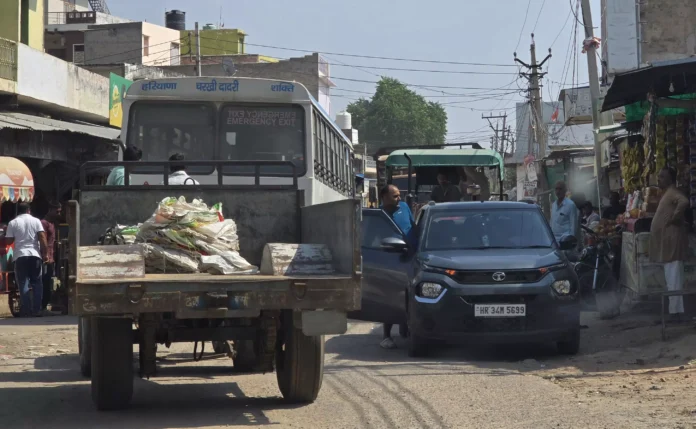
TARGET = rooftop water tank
(344,121)
(175,20)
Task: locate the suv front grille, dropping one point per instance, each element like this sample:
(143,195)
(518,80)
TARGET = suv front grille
(486,277)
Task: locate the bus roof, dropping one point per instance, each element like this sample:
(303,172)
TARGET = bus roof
(226,89)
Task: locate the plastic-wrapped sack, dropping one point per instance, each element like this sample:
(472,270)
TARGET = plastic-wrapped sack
(227,263)
(168,260)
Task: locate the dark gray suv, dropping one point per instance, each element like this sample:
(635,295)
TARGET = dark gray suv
(479,272)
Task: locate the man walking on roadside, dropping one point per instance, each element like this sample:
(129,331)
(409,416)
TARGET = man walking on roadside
(403,218)
(30,249)
(49,269)
(668,237)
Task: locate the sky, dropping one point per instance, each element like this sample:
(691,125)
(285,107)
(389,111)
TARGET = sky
(454,31)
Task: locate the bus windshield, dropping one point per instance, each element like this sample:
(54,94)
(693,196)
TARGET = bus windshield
(246,132)
(163,129)
(263,133)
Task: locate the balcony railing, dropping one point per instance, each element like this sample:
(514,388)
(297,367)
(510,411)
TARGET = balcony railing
(73,17)
(8,60)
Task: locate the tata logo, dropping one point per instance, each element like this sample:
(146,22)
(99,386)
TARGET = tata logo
(498,277)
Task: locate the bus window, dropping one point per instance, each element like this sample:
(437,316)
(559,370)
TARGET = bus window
(263,133)
(163,129)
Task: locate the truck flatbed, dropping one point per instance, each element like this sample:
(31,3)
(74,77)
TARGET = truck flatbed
(193,278)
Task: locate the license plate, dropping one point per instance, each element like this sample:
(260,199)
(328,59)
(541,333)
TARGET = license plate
(500,310)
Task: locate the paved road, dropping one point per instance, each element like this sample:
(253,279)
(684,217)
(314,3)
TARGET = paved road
(364,386)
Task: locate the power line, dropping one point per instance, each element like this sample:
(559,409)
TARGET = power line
(541,9)
(523,24)
(371,57)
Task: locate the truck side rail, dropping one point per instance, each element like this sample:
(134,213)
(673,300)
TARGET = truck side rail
(255,169)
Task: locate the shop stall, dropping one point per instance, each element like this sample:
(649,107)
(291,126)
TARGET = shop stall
(667,138)
(16,184)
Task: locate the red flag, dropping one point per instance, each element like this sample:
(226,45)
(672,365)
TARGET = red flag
(554,117)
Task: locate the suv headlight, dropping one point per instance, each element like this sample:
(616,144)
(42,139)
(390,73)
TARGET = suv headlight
(562,287)
(429,290)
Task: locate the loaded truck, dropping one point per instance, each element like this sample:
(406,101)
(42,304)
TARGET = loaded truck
(275,320)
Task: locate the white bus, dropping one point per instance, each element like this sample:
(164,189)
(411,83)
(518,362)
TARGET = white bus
(239,119)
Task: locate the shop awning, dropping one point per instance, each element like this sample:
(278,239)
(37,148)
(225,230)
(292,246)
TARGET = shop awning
(447,158)
(664,79)
(16,181)
(23,121)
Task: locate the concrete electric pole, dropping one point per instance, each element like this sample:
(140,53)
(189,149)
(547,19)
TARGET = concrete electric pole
(536,102)
(499,140)
(590,49)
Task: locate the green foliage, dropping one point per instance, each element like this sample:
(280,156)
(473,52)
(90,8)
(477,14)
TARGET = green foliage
(397,116)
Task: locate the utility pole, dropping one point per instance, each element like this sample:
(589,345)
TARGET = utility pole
(535,97)
(594,90)
(198,51)
(499,141)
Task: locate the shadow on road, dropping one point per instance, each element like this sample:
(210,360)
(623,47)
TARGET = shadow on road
(38,321)
(154,407)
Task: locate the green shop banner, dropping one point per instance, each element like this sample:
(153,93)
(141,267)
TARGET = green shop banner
(117,90)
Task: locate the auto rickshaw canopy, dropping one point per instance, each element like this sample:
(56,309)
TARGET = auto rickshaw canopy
(447,158)
(16,181)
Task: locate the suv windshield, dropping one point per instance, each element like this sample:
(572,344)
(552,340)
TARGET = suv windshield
(483,229)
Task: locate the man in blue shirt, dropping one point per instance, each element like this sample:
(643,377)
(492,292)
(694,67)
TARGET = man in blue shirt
(117,175)
(403,218)
(564,214)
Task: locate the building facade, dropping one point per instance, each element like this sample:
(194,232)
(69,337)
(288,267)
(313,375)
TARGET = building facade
(131,42)
(22,22)
(636,34)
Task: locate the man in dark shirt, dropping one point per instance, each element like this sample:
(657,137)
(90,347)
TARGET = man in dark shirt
(49,267)
(445,192)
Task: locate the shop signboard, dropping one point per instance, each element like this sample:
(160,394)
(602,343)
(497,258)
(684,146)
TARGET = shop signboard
(117,90)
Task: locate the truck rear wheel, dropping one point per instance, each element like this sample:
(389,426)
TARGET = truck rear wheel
(112,363)
(84,341)
(300,366)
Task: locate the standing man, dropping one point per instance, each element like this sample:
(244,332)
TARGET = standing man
(116,177)
(564,214)
(445,192)
(669,239)
(177,172)
(403,218)
(49,269)
(30,249)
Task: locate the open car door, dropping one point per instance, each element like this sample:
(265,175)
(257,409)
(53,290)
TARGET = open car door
(385,271)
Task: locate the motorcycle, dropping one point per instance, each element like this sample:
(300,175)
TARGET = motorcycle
(599,283)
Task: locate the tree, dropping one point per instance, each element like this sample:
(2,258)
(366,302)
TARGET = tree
(397,116)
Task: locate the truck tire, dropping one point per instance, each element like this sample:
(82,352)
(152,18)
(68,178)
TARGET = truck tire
(112,363)
(300,366)
(84,341)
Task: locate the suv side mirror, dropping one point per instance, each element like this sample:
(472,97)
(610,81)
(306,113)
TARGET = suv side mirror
(568,242)
(392,244)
